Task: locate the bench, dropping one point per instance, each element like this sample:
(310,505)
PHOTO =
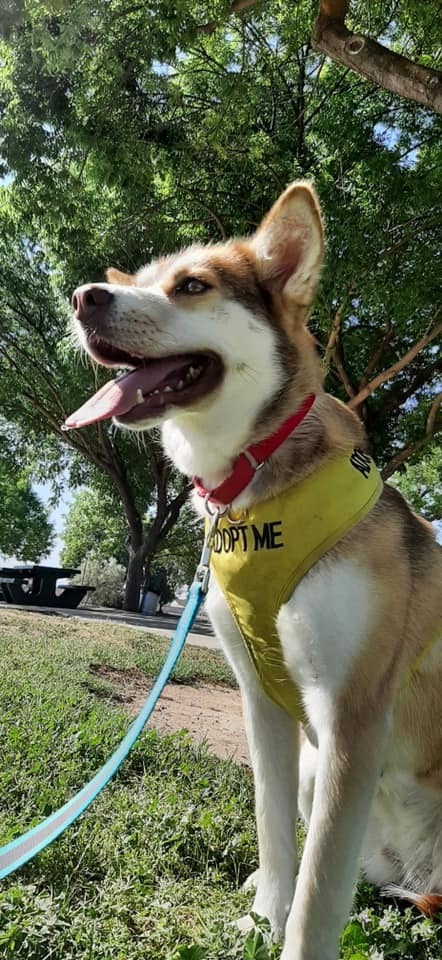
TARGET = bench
(36,586)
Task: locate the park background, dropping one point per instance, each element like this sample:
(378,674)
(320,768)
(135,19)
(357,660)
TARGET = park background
(128,128)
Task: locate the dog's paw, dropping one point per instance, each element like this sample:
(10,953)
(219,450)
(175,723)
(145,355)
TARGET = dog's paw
(271,902)
(257,921)
(251,884)
(246,923)
(273,908)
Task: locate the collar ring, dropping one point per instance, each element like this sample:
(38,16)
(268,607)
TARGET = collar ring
(216,509)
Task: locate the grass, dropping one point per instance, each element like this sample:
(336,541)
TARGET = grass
(153,870)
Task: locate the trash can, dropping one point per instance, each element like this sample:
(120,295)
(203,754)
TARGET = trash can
(150,603)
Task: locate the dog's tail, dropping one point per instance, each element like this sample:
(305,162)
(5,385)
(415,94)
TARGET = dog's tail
(430,904)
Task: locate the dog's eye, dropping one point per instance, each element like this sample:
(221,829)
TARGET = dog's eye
(192,286)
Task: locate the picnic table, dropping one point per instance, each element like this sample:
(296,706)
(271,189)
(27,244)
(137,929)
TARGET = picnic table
(35,585)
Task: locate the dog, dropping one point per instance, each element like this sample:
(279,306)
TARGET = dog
(216,343)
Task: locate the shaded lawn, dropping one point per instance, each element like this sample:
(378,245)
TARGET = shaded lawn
(153,870)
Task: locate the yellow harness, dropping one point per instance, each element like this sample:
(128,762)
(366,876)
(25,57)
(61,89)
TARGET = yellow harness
(259,560)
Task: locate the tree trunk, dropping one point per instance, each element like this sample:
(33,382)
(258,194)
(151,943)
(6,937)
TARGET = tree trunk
(134,580)
(144,544)
(146,570)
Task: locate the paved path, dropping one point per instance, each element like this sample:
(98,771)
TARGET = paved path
(163,624)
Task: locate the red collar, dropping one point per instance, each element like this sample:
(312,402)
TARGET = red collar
(250,460)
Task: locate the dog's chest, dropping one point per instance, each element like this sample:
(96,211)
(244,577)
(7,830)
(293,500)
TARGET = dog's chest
(319,632)
(259,560)
(323,629)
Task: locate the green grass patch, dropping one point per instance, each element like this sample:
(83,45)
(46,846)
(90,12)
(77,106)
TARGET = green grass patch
(153,870)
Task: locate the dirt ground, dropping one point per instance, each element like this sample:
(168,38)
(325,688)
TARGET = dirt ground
(209,712)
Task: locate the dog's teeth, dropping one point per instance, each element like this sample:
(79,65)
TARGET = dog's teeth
(180,385)
(140,398)
(168,389)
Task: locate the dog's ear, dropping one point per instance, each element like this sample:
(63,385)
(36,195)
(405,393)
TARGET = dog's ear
(289,245)
(117,276)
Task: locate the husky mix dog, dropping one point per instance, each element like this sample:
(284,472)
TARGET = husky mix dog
(218,353)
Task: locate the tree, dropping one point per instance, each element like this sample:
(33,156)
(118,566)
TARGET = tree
(95,526)
(374,60)
(180,553)
(43,379)
(25,530)
(127,134)
(421,484)
(387,68)
(107,576)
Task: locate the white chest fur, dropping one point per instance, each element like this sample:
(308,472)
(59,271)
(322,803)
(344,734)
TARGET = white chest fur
(323,628)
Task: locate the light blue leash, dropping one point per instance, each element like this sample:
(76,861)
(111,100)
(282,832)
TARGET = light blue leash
(19,851)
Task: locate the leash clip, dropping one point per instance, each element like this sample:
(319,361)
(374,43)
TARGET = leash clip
(202,575)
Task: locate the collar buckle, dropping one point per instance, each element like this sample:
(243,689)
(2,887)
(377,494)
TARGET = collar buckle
(255,464)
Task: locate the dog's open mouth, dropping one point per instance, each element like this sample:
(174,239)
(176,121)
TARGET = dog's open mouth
(149,388)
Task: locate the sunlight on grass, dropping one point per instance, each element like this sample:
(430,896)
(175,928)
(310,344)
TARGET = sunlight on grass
(153,870)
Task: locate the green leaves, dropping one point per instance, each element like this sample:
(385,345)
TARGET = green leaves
(254,947)
(421,483)
(190,953)
(25,530)
(94,526)
(129,131)
(353,938)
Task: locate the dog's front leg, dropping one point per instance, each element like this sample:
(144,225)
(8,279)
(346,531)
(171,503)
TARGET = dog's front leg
(273,743)
(327,630)
(347,771)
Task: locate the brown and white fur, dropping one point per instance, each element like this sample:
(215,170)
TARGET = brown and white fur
(367,773)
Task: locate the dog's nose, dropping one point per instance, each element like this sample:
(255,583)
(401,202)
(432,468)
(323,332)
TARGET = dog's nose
(90,298)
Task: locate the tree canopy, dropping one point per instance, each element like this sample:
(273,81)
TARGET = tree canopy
(25,530)
(130,129)
(44,378)
(95,527)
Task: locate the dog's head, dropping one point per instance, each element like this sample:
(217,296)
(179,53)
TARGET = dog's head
(212,328)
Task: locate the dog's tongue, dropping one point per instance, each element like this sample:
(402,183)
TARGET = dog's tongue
(120,396)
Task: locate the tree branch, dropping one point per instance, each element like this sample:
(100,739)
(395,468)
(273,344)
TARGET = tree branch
(422,377)
(105,459)
(10,340)
(403,455)
(432,416)
(235,7)
(377,356)
(407,237)
(386,68)
(175,508)
(334,350)
(333,336)
(431,429)
(366,391)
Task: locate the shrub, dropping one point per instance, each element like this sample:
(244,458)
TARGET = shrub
(107,576)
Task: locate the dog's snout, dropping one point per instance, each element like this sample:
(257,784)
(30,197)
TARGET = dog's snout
(87,300)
